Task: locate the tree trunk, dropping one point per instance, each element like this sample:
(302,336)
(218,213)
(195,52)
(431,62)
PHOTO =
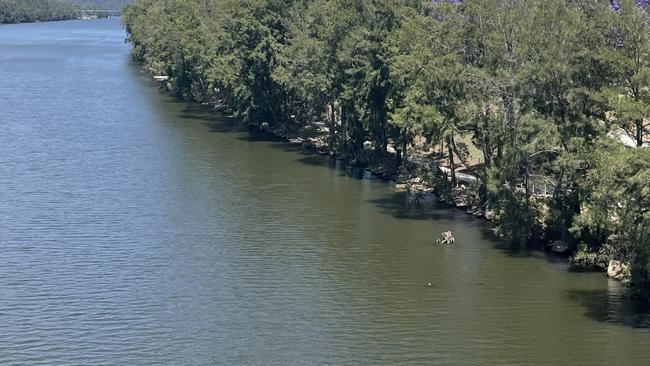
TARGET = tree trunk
(332,127)
(499,156)
(404,146)
(639,132)
(399,159)
(452,167)
(511,115)
(487,152)
(527,184)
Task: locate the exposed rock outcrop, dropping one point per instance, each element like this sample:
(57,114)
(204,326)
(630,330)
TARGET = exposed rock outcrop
(490,215)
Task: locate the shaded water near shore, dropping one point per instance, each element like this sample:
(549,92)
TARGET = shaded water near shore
(136,229)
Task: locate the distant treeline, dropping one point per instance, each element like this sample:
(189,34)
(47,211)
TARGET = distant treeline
(26,11)
(527,93)
(101,4)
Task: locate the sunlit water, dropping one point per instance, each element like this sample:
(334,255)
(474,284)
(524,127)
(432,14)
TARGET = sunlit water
(136,229)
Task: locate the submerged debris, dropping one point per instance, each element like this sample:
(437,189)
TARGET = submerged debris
(446,238)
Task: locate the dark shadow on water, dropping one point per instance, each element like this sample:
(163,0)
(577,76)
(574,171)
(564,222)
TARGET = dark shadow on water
(223,127)
(515,250)
(256,136)
(510,249)
(315,160)
(401,206)
(215,122)
(614,306)
(198,117)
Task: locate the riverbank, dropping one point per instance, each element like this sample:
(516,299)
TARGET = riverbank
(423,184)
(382,166)
(545,169)
(418,184)
(58,20)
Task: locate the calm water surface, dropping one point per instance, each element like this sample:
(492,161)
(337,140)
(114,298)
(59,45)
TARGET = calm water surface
(139,230)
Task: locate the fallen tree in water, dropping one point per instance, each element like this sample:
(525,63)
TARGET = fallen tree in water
(446,238)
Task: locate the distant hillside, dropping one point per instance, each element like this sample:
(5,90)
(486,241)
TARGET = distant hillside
(104,4)
(27,11)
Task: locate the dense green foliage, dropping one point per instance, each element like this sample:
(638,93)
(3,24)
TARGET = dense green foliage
(26,11)
(540,88)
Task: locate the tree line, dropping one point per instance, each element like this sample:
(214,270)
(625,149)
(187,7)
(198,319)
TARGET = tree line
(27,11)
(101,4)
(542,92)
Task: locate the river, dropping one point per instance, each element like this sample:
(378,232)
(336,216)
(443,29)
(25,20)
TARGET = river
(136,229)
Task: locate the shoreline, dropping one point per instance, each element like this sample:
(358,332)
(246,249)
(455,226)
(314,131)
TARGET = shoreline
(414,185)
(414,79)
(421,192)
(314,139)
(56,20)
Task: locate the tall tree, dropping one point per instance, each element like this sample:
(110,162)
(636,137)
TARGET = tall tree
(629,96)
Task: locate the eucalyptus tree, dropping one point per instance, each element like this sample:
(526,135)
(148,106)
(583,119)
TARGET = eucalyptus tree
(568,64)
(179,52)
(334,62)
(629,95)
(311,66)
(303,69)
(429,77)
(365,75)
(617,210)
(254,34)
(495,49)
